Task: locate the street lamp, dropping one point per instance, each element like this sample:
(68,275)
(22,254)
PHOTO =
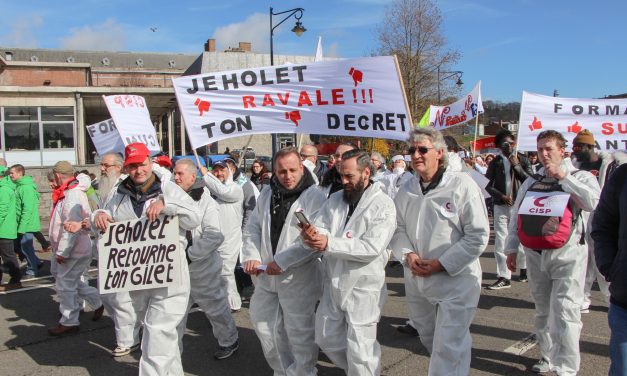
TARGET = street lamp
(298,29)
(457,74)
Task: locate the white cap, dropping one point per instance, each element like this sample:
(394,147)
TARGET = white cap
(398,158)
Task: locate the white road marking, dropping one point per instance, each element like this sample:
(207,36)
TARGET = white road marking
(47,285)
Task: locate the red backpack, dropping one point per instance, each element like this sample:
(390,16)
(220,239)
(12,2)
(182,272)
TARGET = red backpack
(548,232)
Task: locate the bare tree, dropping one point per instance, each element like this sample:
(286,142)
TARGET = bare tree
(412,30)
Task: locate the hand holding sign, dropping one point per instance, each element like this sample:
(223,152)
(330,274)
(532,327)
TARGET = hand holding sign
(155,209)
(102,220)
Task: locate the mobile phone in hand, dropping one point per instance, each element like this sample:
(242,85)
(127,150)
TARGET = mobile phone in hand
(301,218)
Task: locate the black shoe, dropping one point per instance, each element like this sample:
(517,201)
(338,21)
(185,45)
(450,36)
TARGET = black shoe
(501,283)
(523,276)
(408,329)
(98,313)
(227,351)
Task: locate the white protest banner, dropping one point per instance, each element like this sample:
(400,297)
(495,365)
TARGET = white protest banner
(139,255)
(130,114)
(605,118)
(356,97)
(548,204)
(106,137)
(465,109)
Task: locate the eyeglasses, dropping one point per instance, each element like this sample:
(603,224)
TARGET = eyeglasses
(303,156)
(508,143)
(421,149)
(106,166)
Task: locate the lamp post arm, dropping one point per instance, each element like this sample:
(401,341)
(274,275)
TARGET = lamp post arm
(291,13)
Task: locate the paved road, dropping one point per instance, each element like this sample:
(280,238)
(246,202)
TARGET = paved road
(504,318)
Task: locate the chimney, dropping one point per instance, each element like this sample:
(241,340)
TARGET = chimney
(245,46)
(210,46)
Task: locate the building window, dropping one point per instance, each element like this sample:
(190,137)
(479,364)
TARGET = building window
(57,113)
(37,128)
(20,113)
(21,136)
(58,135)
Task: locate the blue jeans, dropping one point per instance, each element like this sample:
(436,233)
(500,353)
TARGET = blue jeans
(26,243)
(617,319)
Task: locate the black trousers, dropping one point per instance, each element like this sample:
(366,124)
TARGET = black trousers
(41,239)
(9,260)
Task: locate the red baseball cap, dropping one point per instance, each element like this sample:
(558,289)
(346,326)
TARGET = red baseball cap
(135,153)
(164,161)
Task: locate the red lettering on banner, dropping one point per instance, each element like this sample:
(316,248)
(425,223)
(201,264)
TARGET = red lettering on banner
(303,98)
(337,96)
(319,100)
(267,101)
(283,100)
(608,128)
(249,100)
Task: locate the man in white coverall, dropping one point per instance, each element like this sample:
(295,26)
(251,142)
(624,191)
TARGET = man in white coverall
(208,289)
(119,305)
(352,231)
(442,230)
(148,193)
(557,276)
(283,304)
(72,251)
(229,196)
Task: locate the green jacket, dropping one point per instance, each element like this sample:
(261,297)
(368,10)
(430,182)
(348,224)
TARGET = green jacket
(8,219)
(27,205)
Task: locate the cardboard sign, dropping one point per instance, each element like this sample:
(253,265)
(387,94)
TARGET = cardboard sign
(132,119)
(353,97)
(605,118)
(140,255)
(106,137)
(547,204)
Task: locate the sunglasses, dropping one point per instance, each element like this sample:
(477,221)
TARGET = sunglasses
(421,149)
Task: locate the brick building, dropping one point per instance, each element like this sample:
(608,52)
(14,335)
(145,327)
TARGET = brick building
(48,97)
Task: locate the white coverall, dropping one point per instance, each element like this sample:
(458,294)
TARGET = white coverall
(354,284)
(448,223)
(162,309)
(76,249)
(208,288)
(556,276)
(394,181)
(282,308)
(229,196)
(119,304)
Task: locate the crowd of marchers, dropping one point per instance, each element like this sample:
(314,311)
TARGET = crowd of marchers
(311,241)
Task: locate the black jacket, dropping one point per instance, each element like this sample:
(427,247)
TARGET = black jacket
(609,231)
(496,175)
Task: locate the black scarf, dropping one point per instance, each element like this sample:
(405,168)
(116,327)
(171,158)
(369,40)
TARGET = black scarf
(139,194)
(281,202)
(195,192)
(437,178)
(332,178)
